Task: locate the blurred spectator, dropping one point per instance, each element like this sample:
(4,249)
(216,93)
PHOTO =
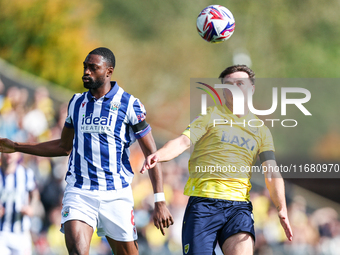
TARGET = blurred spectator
(18,196)
(2,89)
(326,220)
(12,113)
(44,103)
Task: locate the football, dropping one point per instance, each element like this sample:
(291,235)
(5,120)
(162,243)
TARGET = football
(215,23)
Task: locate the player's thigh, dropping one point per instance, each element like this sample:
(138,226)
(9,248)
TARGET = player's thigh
(239,244)
(202,221)
(79,219)
(123,248)
(79,205)
(116,217)
(78,236)
(237,235)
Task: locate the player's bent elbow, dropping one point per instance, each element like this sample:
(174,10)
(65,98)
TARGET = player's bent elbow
(269,181)
(184,141)
(65,151)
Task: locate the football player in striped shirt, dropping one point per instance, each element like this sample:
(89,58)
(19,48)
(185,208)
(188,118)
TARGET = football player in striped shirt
(101,125)
(18,193)
(219,209)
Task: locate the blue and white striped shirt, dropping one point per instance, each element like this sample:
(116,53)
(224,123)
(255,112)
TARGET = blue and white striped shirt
(14,194)
(104,129)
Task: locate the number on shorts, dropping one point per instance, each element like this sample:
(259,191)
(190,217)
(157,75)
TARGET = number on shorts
(132,218)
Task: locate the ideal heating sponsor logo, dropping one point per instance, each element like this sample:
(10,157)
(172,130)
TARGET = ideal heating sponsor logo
(92,124)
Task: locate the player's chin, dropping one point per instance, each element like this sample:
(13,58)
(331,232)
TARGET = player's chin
(92,85)
(87,85)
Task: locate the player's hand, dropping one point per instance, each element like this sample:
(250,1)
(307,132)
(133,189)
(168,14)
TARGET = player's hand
(150,162)
(162,218)
(2,211)
(286,226)
(6,145)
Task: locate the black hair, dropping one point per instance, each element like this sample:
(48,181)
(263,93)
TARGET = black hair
(238,68)
(107,54)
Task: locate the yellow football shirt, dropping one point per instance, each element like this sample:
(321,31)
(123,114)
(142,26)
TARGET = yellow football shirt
(225,148)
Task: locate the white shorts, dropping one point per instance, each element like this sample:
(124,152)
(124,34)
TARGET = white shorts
(110,211)
(15,244)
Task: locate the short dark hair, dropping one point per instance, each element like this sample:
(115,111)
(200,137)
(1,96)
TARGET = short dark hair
(107,54)
(239,68)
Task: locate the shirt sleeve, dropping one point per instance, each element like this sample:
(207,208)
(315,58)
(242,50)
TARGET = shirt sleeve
(267,141)
(197,128)
(69,120)
(137,115)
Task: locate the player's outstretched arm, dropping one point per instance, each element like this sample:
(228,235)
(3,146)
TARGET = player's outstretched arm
(169,151)
(54,148)
(275,185)
(161,216)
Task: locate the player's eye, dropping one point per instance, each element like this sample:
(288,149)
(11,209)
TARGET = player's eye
(93,67)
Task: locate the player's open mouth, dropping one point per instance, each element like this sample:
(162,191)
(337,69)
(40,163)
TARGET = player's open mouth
(86,79)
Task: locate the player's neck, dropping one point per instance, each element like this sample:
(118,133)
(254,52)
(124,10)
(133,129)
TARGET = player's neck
(230,107)
(102,90)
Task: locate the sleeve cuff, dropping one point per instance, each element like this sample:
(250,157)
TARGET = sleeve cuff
(190,135)
(68,125)
(267,155)
(143,132)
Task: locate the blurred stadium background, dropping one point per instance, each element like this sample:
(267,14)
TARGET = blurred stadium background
(44,42)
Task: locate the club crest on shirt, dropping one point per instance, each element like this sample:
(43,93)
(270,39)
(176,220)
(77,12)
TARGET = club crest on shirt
(65,211)
(255,130)
(114,106)
(186,248)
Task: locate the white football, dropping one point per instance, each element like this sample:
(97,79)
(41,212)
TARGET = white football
(215,23)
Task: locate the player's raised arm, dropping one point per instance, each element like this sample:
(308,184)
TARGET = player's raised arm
(170,150)
(54,148)
(275,185)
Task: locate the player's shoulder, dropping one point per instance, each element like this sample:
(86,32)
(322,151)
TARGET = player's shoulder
(133,101)
(204,117)
(213,110)
(264,130)
(260,124)
(219,112)
(77,96)
(126,94)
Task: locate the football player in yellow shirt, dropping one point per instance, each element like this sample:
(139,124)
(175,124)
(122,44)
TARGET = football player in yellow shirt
(219,208)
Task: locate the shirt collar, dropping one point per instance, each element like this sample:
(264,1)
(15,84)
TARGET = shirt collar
(110,94)
(225,109)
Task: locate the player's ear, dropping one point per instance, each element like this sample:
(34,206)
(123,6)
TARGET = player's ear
(253,89)
(109,71)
